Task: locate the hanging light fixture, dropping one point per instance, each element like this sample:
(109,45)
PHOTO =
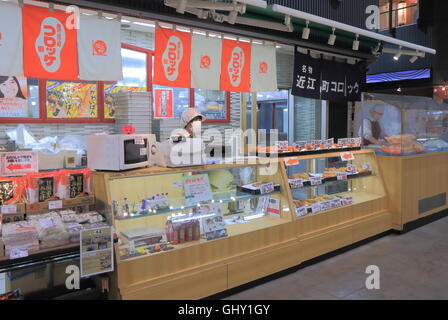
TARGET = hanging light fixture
(306,31)
(332,38)
(398,55)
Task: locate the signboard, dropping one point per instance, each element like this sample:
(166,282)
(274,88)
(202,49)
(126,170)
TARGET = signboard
(18,163)
(163,103)
(327,79)
(13,97)
(235,66)
(96,251)
(197,189)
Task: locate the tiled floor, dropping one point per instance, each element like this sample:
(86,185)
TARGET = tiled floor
(412,266)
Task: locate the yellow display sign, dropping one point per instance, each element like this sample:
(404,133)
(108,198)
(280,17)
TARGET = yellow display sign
(96,251)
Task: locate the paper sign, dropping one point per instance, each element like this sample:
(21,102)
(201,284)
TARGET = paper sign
(163,103)
(348,200)
(197,189)
(96,251)
(12,208)
(351,168)
(342,176)
(347,156)
(366,166)
(300,145)
(342,142)
(214,227)
(296,183)
(315,207)
(282,145)
(329,143)
(57,204)
(316,143)
(357,141)
(274,207)
(18,163)
(291,161)
(143,151)
(315,181)
(302,211)
(139,140)
(267,188)
(16,253)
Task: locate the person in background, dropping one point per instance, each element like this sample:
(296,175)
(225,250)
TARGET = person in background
(191,121)
(371,131)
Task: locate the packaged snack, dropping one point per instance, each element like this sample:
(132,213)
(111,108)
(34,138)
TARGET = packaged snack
(11,190)
(72,183)
(51,230)
(41,186)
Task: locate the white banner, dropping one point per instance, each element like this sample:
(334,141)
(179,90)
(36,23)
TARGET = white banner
(99,49)
(205,62)
(11,42)
(263,68)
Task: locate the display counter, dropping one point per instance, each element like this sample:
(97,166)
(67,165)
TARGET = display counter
(189,233)
(417,185)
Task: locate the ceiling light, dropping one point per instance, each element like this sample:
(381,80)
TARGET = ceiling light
(145,24)
(306,31)
(278,47)
(332,38)
(399,89)
(125,21)
(355,46)
(413,59)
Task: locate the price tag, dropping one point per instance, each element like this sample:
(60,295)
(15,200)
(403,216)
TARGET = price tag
(15,253)
(139,140)
(282,145)
(357,141)
(12,208)
(302,211)
(291,161)
(341,176)
(315,181)
(300,145)
(342,142)
(336,203)
(366,166)
(274,207)
(347,156)
(52,205)
(349,200)
(296,183)
(263,203)
(267,188)
(316,143)
(351,168)
(143,151)
(316,208)
(329,143)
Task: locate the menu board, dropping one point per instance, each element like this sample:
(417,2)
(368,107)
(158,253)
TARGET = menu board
(96,251)
(197,189)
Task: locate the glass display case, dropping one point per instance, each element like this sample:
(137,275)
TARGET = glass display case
(402,125)
(157,209)
(328,182)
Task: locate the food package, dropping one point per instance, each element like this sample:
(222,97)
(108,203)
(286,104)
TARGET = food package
(41,186)
(11,190)
(68,216)
(72,183)
(20,235)
(51,230)
(73,230)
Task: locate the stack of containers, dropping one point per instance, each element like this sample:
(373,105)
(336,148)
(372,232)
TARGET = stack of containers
(134,108)
(20,235)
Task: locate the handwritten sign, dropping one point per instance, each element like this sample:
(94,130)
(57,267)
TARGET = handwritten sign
(315,181)
(296,183)
(12,208)
(300,145)
(16,253)
(347,156)
(341,176)
(53,205)
(267,188)
(197,189)
(282,145)
(18,163)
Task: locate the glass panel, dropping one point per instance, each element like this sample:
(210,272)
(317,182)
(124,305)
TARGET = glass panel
(19,97)
(134,68)
(307,119)
(212,104)
(69,100)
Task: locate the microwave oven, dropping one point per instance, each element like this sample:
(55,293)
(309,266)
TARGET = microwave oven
(120,151)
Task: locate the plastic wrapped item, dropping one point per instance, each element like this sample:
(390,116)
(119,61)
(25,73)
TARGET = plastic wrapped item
(76,143)
(20,235)
(21,135)
(51,230)
(41,186)
(11,190)
(73,230)
(72,183)
(68,216)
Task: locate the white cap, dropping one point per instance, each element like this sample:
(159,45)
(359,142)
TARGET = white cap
(188,115)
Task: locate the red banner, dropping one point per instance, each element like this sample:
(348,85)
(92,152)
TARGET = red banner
(172,58)
(235,66)
(49,48)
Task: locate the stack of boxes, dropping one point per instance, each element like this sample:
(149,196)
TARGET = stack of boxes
(134,108)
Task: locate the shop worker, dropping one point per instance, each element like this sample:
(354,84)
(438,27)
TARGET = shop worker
(191,121)
(371,131)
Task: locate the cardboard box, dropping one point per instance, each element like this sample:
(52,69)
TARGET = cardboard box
(29,279)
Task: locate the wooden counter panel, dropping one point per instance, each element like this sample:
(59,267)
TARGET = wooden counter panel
(371,226)
(195,285)
(253,267)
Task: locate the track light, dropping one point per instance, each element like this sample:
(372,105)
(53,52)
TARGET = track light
(355,46)
(332,38)
(306,31)
(413,59)
(398,55)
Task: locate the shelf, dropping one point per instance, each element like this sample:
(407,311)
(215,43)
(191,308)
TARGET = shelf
(218,197)
(304,153)
(43,207)
(334,180)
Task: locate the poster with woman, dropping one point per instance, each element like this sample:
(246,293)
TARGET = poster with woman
(71,100)
(13,97)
